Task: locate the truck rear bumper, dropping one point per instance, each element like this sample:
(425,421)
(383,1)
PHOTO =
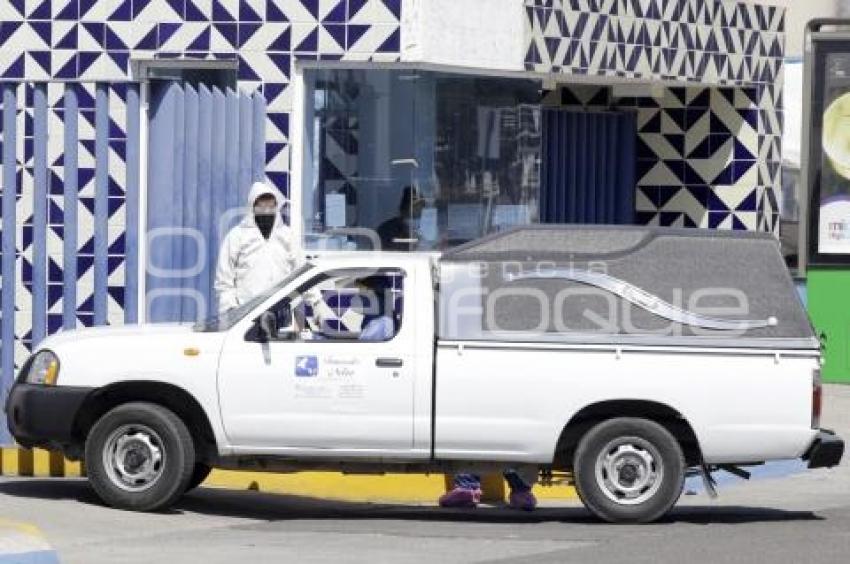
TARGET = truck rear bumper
(826,450)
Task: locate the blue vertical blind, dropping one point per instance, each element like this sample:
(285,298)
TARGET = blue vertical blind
(206,147)
(588,167)
(21,319)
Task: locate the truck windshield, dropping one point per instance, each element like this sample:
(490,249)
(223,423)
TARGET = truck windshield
(224,320)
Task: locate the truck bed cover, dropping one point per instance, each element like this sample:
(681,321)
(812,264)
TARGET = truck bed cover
(623,284)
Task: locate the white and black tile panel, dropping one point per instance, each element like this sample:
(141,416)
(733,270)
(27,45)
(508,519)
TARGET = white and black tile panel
(703,159)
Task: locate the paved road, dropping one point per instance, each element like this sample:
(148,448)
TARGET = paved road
(803,517)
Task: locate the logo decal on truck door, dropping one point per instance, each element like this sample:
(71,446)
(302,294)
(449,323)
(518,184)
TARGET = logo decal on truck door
(306,366)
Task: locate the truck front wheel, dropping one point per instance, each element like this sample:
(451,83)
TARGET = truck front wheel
(199,474)
(629,470)
(139,456)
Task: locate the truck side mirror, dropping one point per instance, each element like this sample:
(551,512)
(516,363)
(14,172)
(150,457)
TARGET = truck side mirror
(267,327)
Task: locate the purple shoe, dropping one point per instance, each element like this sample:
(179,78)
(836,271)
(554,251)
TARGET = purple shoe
(461,497)
(523,500)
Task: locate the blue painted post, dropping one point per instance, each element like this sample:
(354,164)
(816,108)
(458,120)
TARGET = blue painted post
(7,330)
(101,203)
(70,199)
(39,254)
(131,237)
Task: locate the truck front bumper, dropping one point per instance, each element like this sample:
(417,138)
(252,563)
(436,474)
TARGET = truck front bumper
(40,415)
(826,450)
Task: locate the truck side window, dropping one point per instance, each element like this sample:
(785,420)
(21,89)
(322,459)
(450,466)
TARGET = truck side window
(349,306)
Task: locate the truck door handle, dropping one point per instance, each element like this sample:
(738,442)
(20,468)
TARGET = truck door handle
(388,362)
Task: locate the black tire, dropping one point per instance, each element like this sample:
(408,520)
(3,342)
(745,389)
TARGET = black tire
(199,474)
(152,433)
(641,445)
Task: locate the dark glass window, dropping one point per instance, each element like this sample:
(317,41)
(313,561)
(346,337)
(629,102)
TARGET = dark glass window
(417,160)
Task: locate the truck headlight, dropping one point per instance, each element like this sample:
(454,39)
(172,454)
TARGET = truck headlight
(44,369)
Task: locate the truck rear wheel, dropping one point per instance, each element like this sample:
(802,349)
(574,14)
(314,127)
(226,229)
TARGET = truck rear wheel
(629,470)
(139,456)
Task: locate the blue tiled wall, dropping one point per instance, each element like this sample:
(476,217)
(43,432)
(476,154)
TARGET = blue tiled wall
(709,153)
(92,41)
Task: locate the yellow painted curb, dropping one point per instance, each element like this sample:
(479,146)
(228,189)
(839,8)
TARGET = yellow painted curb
(558,492)
(403,488)
(37,462)
(333,485)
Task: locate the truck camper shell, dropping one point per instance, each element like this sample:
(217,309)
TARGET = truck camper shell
(622,285)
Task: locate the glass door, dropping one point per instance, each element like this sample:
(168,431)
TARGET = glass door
(360,160)
(413,160)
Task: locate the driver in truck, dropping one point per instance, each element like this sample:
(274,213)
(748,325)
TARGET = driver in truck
(371,301)
(378,323)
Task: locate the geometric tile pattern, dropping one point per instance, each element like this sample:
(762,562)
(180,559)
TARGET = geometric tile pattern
(86,42)
(709,41)
(56,230)
(709,156)
(697,157)
(94,40)
(340,132)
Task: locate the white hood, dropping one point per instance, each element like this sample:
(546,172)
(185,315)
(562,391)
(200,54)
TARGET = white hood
(248,262)
(257,190)
(112,331)
(102,355)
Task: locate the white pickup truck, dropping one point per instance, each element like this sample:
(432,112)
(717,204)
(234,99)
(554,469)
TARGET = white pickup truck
(620,358)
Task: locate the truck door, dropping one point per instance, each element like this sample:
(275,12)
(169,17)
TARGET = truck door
(327,388)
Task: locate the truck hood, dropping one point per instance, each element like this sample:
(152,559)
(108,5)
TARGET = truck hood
(155,330)
(97,356)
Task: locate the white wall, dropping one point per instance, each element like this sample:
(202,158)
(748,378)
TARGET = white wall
(470,33)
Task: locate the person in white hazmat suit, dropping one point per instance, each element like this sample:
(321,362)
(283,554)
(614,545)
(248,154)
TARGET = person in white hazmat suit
(257,253)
